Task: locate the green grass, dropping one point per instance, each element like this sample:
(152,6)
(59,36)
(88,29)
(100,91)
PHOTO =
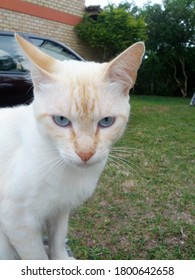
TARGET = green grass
(148,212)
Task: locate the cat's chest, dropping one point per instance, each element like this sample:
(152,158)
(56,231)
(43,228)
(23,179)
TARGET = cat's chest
(66,190)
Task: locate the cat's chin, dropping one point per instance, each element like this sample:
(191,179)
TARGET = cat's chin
(85,165)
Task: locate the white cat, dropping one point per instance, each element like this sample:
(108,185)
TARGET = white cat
(53,151)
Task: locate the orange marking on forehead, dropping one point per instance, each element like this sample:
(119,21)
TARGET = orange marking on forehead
(92,105)
(77,106)
(84,102)
(84,99)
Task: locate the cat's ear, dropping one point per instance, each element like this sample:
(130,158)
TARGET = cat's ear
(123,69)
(41,65)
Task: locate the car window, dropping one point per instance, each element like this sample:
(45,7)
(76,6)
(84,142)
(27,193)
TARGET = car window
(11,60)
(53,49)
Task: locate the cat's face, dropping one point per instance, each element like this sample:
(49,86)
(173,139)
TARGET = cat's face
(82,107)
(81,112)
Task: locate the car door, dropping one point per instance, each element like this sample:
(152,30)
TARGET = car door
(14,87)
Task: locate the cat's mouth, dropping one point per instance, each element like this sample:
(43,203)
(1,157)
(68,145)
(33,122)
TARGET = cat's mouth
(95,159)
(87,164)
(77,161)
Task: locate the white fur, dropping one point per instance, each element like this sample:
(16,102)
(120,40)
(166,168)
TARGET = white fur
(42,176)
(33,192)
(35,188)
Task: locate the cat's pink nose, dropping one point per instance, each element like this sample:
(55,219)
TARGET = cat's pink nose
(85,156)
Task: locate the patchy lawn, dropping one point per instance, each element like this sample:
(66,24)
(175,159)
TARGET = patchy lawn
(145,209)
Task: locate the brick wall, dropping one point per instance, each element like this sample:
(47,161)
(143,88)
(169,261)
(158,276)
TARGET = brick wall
(75,7)
(52,18)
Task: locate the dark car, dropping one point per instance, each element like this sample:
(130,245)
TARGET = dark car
(14,87)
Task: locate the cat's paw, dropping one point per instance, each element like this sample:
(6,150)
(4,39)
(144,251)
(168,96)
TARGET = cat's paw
(61,258)
(71,258)
(63,255)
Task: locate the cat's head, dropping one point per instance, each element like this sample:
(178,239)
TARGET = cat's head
(82,107)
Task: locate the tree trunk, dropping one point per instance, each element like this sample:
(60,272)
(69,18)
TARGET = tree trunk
(181,85)
(181,59)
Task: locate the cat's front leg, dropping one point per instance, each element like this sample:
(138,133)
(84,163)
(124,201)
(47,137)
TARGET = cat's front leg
(57,230)
(27,243)
(23,230)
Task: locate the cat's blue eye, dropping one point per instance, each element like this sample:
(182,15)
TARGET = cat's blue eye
(106,122)
(61,121)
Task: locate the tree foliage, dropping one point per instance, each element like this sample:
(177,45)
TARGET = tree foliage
(169,32)
(170,44)
(116,28)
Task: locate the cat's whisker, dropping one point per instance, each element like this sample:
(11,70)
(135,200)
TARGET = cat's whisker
(102,154)
(120,167)
(111,163)
(123,169)
(127,156)
(126,152)
(59,170)
(50,165)
(125,148)
(133,166)
(127,165)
